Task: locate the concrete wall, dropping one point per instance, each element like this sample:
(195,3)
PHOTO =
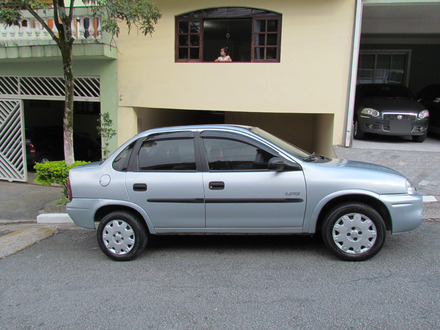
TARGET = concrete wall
(311,77)
(311,132)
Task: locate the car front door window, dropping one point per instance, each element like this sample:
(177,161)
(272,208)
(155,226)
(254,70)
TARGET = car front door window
(232,155)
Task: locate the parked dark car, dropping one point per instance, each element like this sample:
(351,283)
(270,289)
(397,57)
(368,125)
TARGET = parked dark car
(430,98)
(388,109)
(30,153)
(45,143)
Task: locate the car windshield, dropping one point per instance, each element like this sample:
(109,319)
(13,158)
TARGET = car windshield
(385,91)
(290,148)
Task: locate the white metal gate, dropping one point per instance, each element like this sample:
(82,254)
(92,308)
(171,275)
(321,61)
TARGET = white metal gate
(12,142)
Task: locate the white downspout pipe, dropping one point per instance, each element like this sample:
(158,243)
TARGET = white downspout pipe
(353,74)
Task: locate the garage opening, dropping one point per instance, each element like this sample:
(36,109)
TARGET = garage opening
(398,44)
(311,132)
(44,131)
(31,116)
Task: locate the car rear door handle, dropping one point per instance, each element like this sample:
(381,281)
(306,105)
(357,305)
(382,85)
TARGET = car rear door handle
(216,185)
(139,187)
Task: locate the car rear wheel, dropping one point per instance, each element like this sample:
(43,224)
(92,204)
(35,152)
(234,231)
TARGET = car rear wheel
(43,159)
(121,236)
(354,231)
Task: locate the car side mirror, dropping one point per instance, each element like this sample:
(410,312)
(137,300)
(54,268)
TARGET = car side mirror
(276,164)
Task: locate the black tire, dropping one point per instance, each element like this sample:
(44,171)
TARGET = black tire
(44,159)
(354,231)
(358,134)
(121,236)
(419,138)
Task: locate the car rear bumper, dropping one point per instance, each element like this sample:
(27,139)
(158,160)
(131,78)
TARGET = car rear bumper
(82,211)
(405,211)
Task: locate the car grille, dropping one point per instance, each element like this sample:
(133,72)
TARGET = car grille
(396,116)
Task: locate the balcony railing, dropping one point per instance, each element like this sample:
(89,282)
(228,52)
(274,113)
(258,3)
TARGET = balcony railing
(32,30)
(29,31)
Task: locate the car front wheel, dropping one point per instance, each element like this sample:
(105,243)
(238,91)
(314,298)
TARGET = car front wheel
(121,236)
(354,231)
(419,138)
(358,134)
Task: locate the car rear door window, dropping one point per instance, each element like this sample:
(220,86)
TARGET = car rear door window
(167,155)
(122,160)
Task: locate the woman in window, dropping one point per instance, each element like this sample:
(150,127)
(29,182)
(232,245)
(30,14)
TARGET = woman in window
(224,55)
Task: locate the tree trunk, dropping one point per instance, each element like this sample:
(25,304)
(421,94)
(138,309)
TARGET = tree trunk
(65,40)
(66,51)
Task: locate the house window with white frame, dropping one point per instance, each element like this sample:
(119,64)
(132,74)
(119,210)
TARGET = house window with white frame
(383,67)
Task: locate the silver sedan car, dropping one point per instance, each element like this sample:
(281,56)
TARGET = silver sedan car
(226,179)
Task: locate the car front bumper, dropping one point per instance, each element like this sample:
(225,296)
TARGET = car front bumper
(405,211)
(393,124)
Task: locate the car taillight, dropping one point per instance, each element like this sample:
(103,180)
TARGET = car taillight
(69,190)
(31,149)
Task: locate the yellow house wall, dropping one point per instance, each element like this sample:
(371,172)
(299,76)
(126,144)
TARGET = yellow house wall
(311,78)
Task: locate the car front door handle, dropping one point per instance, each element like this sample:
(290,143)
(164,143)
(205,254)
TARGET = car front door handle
(216,185)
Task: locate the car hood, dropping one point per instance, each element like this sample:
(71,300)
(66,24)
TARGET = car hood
(392,104)
(343,174)
(356,165)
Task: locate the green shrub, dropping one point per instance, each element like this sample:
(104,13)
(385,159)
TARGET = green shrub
(55,173)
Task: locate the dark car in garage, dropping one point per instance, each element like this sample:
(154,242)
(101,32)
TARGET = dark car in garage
(389,109)
(430,98)
(45,143)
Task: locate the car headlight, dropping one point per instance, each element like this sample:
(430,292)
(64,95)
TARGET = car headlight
(410,188)
(370,112)
(423,114)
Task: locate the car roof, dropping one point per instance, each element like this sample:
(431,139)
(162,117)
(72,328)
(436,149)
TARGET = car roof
(380,85)
(194,128)
(382,90)
(186,128)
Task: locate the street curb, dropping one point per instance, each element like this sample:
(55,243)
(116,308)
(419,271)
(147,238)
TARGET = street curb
(21,239)
(54,218)
(429,199)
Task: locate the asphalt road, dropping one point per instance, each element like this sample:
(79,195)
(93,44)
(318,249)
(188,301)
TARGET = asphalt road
(244,282)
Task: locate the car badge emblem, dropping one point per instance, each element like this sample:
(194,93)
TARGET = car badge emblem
(399,117)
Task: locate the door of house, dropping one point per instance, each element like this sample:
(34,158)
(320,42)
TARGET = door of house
(13,165)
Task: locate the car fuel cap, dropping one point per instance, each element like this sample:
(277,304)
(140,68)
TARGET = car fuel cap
(105,180)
